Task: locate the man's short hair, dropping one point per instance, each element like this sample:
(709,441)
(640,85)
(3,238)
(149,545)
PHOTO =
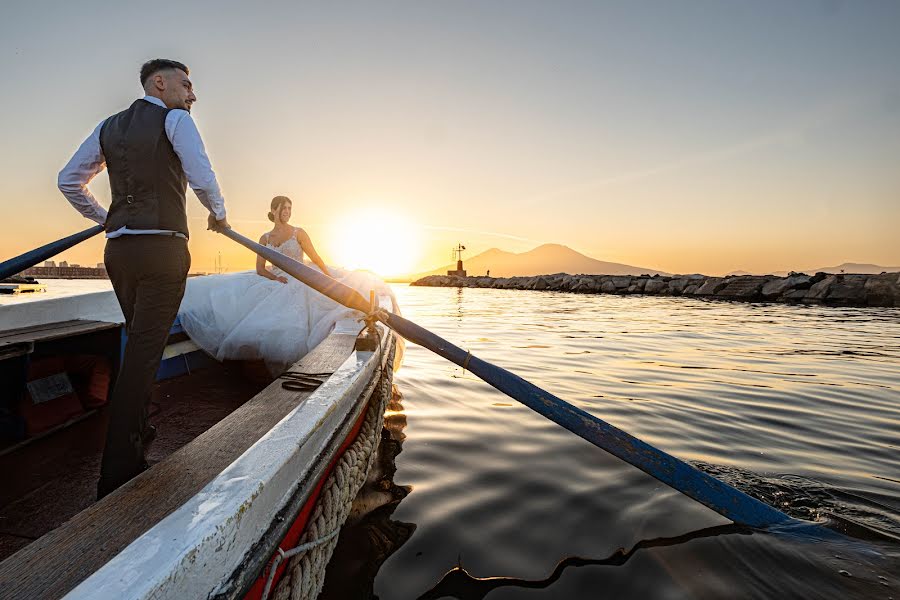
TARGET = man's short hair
(151,67)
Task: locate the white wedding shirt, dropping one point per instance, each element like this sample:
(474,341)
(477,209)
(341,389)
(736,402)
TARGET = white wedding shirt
(181,130)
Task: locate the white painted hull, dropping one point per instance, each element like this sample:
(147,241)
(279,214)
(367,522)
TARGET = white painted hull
(195,551)
(203,547)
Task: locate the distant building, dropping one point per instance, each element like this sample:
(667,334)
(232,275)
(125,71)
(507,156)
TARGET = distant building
(457,253)
(66,271)
(49,263)
(459,272)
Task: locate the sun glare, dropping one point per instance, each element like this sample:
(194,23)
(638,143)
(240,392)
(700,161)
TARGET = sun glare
(385,243)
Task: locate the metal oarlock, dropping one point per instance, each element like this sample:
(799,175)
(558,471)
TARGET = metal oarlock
(367,340)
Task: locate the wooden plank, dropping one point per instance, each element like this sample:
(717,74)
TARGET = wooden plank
(14,350)
(53,331)
(54,564)
(55,478)
(49,432)
(40,327)
(50,331)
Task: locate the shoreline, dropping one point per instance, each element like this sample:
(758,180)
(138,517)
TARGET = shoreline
(796,288)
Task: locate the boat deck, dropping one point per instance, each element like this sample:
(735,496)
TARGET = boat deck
(51,479)
(54,564)
(15,342)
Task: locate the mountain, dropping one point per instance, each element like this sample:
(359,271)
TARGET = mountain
(855,268)
(860,268)
(543,260)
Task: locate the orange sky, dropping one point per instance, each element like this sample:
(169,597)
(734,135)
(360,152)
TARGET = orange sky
(761,137)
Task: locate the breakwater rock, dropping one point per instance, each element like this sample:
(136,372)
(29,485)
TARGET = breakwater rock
(820,288)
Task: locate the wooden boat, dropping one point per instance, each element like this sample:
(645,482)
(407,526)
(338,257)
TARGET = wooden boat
(243,469)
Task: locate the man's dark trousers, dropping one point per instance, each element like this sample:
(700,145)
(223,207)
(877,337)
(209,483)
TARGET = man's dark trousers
(148,273)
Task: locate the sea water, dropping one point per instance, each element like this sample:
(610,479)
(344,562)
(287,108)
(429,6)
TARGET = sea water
(796,405)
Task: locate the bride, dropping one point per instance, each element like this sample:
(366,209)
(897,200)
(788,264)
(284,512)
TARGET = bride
(267,314)
(280,215)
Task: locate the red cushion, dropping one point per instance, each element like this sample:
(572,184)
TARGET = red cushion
(91,375)
(50,405)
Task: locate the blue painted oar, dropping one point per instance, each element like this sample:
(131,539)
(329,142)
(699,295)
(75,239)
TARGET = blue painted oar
(717,495)
(10,267)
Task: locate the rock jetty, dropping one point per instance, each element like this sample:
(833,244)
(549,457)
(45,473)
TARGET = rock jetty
(799,288)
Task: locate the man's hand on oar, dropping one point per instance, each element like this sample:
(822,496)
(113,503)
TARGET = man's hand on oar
(217,225)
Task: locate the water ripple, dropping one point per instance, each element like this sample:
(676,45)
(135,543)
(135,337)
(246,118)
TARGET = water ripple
(798,405)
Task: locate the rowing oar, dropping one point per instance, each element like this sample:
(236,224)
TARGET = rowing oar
(717,495)
(10,267)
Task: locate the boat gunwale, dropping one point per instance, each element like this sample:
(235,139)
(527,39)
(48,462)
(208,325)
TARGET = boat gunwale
(260,554)
(176,576)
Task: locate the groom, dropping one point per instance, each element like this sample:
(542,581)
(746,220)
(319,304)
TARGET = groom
(152,151)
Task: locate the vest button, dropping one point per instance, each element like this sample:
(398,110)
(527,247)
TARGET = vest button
(129,199)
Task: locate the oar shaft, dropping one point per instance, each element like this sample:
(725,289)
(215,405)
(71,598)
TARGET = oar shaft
(717,495)
(10,267)
(332,288)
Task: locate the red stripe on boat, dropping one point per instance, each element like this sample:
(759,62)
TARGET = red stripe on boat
(293,535)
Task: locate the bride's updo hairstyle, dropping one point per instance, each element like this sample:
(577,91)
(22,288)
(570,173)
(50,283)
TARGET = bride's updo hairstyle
(277,203)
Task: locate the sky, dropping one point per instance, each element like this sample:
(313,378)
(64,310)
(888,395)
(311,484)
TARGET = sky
(681,136)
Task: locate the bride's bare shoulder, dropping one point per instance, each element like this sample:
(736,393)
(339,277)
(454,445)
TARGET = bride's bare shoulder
(264,238)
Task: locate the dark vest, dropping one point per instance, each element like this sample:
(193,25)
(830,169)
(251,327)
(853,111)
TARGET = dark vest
(146,177)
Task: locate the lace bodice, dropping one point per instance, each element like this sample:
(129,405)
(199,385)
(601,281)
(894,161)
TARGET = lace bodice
(290,248)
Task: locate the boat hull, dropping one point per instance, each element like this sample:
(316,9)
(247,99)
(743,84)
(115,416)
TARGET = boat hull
(191,528)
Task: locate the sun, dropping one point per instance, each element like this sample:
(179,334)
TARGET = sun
(380,241)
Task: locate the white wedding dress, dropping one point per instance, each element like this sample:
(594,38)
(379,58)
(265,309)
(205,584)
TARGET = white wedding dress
(244,316)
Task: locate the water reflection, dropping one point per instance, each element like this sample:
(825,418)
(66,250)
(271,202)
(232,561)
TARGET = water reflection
(458,583)
(370,536)
(797,405)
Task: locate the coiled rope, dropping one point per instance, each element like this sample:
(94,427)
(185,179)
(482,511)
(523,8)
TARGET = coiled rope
(305,573)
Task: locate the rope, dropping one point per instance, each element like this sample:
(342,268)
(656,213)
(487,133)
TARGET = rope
(282,555)
(302,382)
(305,573)
(370,319)
(465,364)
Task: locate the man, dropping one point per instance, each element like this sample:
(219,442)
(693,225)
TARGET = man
(152,151)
